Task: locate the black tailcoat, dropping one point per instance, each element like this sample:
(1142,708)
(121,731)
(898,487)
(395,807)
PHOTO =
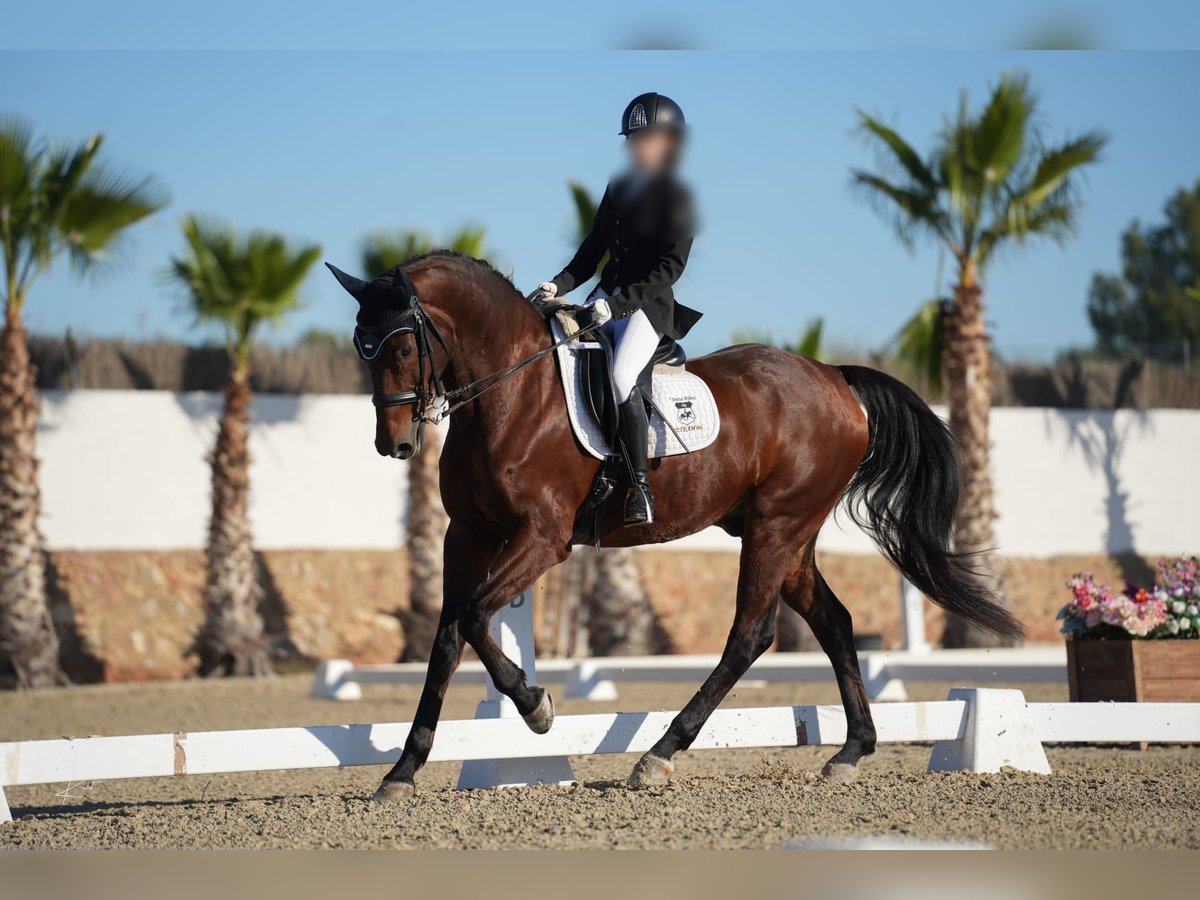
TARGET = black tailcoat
(646,228)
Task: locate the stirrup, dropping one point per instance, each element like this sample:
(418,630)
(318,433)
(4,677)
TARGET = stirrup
(639,506)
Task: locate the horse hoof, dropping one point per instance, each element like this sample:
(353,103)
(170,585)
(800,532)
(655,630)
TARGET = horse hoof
(839,772)
(540,720)
(651,771)
(394,792)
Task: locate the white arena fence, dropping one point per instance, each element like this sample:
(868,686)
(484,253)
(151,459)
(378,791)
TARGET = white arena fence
(596,678)
(975,729)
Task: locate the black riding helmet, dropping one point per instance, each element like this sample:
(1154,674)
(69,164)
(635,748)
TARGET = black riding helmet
(652,111)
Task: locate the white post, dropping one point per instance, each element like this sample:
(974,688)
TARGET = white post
(329,682)
(878,681)
(5,812)
(912,612)
(512,629)
(584,683)
(998,733)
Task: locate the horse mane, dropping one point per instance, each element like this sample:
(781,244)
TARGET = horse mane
(468,265)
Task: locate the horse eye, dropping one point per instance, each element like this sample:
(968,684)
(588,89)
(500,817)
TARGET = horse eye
(405,351)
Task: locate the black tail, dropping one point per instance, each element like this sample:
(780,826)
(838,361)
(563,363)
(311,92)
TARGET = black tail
(905,494)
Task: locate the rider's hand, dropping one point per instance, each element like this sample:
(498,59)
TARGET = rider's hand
(601,312)
(547,290)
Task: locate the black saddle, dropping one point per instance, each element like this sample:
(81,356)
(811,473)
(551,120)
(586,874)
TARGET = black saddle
(598,387)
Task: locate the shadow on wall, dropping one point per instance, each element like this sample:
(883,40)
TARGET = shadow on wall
(269,409)
(1101,438)
(79,663)
(275,614)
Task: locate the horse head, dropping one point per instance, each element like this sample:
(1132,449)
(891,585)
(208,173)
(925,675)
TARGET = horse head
(391,335)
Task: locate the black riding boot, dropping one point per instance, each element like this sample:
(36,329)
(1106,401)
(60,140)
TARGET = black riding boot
(639,503)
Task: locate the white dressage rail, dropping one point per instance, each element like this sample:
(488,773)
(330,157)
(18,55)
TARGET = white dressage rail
(884,672)
(976,729)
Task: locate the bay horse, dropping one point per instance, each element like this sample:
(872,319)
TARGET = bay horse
(796,437)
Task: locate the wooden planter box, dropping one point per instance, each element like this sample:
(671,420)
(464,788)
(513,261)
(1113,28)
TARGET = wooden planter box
(1153,671)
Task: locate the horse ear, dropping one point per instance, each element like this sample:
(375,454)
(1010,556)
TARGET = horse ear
(354,286)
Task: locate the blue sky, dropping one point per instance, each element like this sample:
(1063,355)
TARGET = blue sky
(327,146)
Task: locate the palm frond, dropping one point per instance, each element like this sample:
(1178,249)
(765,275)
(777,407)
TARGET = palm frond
(17,222)
(1052,220)
(904,154)
(99,208)
(1046,204)
(17,160)
(810,339)
(752,335)
(998,136)
(1056,165)
(385,249)
(912,208)
(469,241)
(240,281)
(59,199)
(918,345)
(382,250)
(585,209)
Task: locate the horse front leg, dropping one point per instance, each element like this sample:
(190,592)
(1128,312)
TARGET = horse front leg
(526,555)
(470,558)
(399,783)
(472,595)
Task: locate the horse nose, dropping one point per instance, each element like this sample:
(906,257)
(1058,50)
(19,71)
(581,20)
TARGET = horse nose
(385,447)
(404,450)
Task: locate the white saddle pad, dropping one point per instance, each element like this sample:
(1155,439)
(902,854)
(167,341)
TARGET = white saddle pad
(683,397)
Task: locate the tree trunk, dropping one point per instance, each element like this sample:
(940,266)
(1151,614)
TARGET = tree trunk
(28,641)
(427,523)
(620,619)
(232,640)
(969,395)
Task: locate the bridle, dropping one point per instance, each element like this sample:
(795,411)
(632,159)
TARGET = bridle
(430,384)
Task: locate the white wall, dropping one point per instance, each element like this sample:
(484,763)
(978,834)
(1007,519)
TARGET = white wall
(127,469)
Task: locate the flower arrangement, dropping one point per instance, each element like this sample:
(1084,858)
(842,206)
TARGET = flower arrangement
(1169,609)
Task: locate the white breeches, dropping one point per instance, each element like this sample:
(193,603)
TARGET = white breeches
(634,341)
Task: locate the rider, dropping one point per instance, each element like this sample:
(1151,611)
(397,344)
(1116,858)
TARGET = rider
(645,224)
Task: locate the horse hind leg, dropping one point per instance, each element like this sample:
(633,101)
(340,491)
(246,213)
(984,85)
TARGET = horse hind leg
(763,564)
(806,591)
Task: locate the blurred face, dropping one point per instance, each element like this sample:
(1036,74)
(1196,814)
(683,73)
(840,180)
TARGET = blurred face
(652,149)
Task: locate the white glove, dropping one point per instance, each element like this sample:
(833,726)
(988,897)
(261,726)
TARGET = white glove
(547,290)
(601,312)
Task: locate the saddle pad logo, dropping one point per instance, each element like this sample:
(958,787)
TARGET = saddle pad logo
(685,415)
(637,117)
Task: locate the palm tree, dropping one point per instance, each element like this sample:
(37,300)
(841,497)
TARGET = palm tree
(427,521)
(990,181)
(620,618)
(239,282)
(56,200)
(920,344)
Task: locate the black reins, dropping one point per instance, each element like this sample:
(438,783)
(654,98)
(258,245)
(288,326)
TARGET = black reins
(422,396)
